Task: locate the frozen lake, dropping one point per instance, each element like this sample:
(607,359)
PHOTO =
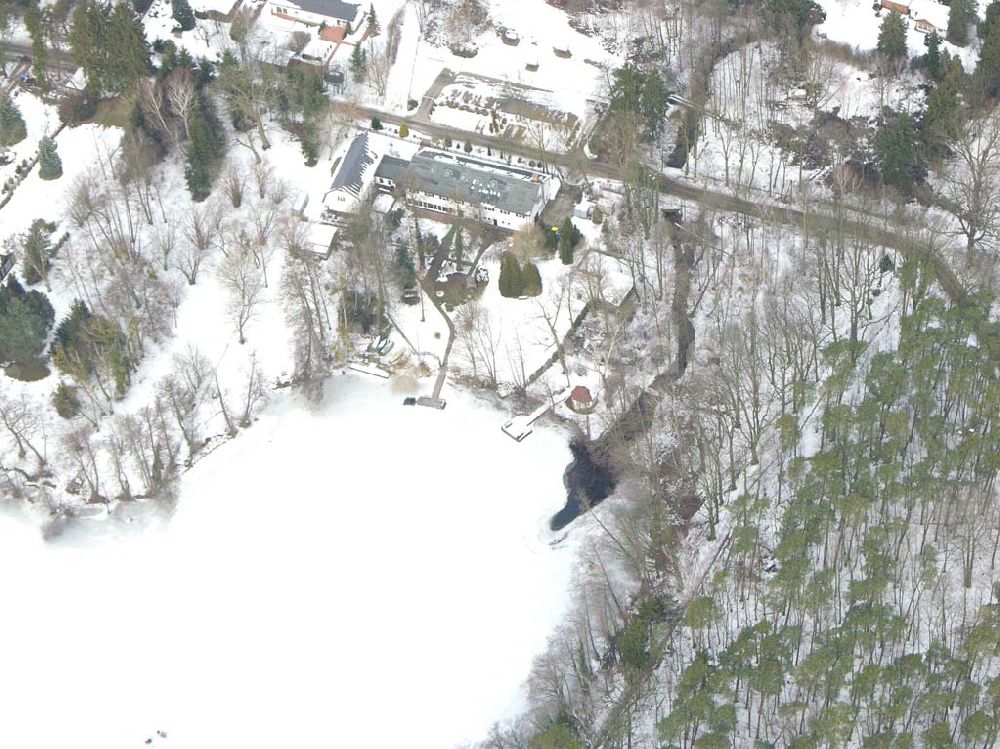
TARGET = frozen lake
(361,575)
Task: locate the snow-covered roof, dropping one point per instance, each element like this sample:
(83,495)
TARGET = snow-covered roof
(930,12)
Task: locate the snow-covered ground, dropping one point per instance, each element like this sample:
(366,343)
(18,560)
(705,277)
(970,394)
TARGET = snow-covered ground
(855,22)
(355,574)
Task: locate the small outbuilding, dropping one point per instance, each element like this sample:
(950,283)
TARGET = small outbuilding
(581,400)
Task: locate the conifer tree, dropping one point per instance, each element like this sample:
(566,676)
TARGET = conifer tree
(25,320)
(205,151)
(988,69)
(88,28)
(531,280)
(403,268)
(358,64)
(183,14)
(569,237)
(961,16)
(897,148)
(932,60)
(49,163)
(37,251)
(127,49)
(36,21)
(892,37)
(12,129)
(510,276)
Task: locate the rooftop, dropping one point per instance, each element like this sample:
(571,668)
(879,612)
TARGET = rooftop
(466,181)
(329,8)
(392,168)
(350,174)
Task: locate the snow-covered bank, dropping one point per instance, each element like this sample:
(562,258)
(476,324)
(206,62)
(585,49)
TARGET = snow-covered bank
(357,574)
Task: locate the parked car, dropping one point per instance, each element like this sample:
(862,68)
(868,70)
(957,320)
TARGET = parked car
(380,346)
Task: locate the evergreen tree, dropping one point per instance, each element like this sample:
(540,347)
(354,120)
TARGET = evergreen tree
(36,21)
(643,94)
(898,151)
(987,75)
(12,129)
(358,64)
(310,144)
(510,276)
(531,280)
(49,163)
(90,26)
(942,119)
(404,130)
(372,22)
(458,248)
(961,16)
(37,251)
(126,48)
(569,237)
(205,151)
(932,60)
(183,14)
(794,18)
(25,321)
(892,37)
(402,266)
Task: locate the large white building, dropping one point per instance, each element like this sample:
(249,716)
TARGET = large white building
(497,194)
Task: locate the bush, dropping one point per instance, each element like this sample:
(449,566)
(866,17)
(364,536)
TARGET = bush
(531,280)
(66,401)
(76,108)
(404,131)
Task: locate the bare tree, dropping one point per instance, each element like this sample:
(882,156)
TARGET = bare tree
(239,275)
(308,315)
(202,229)
(25,424)
(182,95)
(234,184)
(971,184)
(379,65)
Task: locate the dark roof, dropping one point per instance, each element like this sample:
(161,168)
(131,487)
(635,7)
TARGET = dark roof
(392,168)
(466,182)
(330,8)
(350,173)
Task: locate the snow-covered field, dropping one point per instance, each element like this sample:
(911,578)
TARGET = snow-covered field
(355,574)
